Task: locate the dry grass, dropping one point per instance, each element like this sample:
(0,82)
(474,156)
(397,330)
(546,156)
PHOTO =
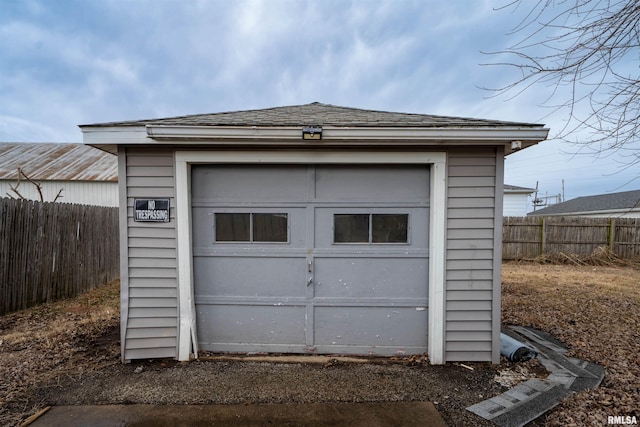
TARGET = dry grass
(595,310)
(602,256)
(52,341)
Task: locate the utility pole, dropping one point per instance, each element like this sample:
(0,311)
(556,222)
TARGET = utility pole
(536,201)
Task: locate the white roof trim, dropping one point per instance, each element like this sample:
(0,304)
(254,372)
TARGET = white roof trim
(493,134)
(107,138)
(519,191)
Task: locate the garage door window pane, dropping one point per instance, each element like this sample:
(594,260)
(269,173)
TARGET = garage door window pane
(268,227)
(371,228)
(389,228)
(233,227)
(351,228)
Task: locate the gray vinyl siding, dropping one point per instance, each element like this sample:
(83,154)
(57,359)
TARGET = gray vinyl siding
(151,328)
(470,270)
(150,289)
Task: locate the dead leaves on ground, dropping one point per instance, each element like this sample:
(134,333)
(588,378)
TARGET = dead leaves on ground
(51,341)
(596,312)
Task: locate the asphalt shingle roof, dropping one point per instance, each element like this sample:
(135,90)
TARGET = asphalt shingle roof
(318,114)
(600,202)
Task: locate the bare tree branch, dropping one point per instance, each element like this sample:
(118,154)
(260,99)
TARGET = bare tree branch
(59,195)
(587,53)
(22,174)
(15,188)
(36,184)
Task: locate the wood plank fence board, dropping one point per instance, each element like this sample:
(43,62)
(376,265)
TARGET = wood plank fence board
(50,251)
(531,237)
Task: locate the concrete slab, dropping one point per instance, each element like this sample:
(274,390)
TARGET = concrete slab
(313,414)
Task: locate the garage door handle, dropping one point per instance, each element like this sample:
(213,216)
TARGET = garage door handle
(309,281)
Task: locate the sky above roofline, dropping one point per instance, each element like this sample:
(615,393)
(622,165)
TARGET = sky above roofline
(71,62)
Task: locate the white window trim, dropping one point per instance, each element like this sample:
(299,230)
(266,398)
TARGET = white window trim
(187,337)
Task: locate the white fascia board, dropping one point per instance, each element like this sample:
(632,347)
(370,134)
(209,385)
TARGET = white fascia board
(489,134)
(109,137)
(114,135)
(162,132)
(525,192)
(506,134)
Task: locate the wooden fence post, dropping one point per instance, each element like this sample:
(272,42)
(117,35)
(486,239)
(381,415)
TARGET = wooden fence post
(611,234)
(542,236)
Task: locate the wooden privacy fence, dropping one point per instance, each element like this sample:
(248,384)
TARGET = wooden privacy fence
(533,236)
(50,251)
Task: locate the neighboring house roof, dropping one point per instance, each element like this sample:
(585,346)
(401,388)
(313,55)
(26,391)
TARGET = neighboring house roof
(57,162)
(627,200)
(516,189)
(317,113)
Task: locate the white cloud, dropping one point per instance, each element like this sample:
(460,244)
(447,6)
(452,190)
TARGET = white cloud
(85,62)
(16,129)
(64,51)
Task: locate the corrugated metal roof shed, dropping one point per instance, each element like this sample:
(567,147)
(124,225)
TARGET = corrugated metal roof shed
(57,162)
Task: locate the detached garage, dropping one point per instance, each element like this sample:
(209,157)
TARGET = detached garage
(311,229)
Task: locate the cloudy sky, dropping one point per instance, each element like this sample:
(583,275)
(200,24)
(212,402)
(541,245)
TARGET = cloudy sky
(65,63)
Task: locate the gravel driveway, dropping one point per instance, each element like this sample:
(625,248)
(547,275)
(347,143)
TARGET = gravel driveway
(451,388)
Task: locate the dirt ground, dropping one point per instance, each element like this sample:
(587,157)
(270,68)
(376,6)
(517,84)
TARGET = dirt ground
(68,353)
(595,311)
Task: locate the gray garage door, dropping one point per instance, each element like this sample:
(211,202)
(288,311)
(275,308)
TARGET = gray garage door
(324,259)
